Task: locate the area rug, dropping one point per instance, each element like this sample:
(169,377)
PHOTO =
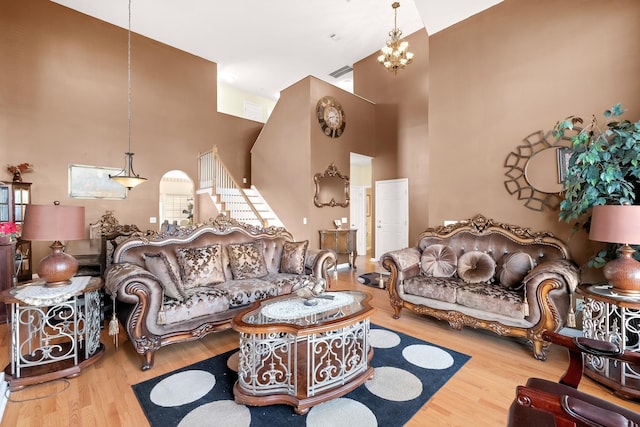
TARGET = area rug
(373,279)
(408,372)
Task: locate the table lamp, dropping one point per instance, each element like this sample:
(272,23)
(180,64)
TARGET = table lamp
(58,223)
(619,224)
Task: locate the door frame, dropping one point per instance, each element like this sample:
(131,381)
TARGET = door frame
(404,201)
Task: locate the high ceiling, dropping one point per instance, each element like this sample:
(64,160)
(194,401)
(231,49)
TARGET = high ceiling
(265,46)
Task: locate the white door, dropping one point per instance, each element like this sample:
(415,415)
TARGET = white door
(392,215)
(358,215)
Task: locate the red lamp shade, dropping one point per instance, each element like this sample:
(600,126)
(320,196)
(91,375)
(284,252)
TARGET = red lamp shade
(619,224)
(58,223)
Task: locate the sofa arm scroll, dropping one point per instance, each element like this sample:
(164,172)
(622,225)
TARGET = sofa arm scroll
(407,262)
(120,275)
(562,269)
(548,288)
(319,261)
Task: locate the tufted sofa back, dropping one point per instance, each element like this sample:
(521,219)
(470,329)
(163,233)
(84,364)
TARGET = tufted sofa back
(496,244)
(133,250)
(494,238)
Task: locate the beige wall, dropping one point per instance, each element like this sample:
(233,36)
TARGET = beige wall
(517,68)
(401,125)
(492,80)
(292,148)
(63,100)
(446,123)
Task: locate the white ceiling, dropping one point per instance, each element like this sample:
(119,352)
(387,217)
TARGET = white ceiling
(265,46)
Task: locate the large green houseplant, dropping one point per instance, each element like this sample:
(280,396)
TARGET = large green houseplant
(604,167)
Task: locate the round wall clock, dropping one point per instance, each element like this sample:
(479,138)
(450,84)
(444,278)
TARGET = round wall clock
(330,116)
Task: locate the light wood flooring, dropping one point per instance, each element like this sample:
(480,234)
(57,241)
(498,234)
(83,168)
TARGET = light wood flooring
(479,394)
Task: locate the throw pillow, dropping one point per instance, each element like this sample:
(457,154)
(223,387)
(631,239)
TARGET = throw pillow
(476,267)
(292,260)
(200,266)
(438,261)
(513,267)
(247,260)
(161,267)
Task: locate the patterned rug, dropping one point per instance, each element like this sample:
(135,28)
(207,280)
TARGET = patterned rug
(373,279)
(408,371)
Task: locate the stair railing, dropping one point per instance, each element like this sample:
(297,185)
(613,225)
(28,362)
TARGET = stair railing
(214,174)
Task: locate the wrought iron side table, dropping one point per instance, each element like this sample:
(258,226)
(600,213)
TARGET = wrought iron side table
(614,318)
(55,332)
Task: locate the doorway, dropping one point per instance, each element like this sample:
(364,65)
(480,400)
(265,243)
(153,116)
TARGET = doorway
(392,215)
(360,201)
(176,198)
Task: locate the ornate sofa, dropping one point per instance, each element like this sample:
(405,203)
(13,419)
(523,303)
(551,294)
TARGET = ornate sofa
(187,282)
(488,275)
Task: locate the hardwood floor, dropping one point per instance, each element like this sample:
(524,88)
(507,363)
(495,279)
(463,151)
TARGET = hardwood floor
(479,394)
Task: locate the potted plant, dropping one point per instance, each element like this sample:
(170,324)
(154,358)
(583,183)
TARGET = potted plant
(604,167)
(8,232)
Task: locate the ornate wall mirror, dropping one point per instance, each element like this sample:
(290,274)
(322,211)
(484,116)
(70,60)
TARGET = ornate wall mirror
(332,188)
(536,170)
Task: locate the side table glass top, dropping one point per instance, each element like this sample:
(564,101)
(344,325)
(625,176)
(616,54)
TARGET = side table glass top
(39,294)
(291,309)
(606,291)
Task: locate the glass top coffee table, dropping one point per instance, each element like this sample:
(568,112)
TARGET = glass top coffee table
(303,355)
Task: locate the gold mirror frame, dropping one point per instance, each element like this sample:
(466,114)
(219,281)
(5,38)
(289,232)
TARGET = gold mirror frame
(516,163)
(332,188)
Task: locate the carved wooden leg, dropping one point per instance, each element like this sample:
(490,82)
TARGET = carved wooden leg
(148,360)
(396,311)
(539,347)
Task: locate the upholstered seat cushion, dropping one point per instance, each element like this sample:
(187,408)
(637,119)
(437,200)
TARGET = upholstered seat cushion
(439,288)
(246,291)
(491,298)
(287,283)
(202,302)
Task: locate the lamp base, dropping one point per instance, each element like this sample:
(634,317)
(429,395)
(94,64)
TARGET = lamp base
(57,268)
(623,273)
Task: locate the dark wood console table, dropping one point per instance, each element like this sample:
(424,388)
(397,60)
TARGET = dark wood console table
(342,242)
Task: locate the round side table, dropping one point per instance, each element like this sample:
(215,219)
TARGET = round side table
(55,332)
(614,318)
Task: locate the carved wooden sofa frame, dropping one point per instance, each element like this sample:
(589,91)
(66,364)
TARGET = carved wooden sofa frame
(548,285)
(140,296)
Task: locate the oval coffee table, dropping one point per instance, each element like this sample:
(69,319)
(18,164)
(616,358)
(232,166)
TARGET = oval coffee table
(303,355)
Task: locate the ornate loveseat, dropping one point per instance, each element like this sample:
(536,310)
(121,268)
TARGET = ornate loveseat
(187,282)
(485,274)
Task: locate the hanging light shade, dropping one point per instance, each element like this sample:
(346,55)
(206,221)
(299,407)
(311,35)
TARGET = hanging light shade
(127,175)
(395,55)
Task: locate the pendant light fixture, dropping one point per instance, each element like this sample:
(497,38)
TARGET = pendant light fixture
(127,175)
(395,55)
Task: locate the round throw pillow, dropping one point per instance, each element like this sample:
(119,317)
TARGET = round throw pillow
(513,267)
(476,267)
(438,261)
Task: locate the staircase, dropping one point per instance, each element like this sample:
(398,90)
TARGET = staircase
(242,204)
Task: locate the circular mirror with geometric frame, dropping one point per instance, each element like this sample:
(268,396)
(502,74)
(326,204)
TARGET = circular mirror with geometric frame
(535,170)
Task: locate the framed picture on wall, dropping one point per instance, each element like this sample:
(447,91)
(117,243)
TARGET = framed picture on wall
(93,182)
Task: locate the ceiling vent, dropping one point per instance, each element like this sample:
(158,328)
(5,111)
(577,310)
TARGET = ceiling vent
(341,71)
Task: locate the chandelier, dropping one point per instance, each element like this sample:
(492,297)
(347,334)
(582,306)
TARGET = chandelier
(127,175)
(395,56)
